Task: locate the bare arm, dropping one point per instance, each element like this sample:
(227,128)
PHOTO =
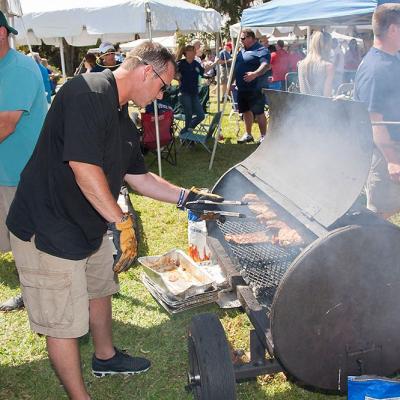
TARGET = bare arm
(261,70)
(385,144)
(153,186)
(8,123)
(330,73)
(93,184)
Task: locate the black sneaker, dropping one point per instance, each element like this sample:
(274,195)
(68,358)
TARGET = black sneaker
(12,304)
(122,363)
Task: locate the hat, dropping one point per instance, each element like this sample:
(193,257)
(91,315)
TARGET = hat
(4,22)
(106,47)
(228,44)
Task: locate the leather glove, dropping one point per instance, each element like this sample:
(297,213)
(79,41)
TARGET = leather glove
(196,194)
(125,241)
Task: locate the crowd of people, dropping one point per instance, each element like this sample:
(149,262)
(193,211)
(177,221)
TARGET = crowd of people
(61,168)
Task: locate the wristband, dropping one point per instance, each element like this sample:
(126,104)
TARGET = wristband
(181,198)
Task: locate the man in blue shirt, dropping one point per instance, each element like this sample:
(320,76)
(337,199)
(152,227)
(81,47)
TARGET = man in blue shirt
(251,64)
(377,84)
(45,75)
(190,71)
(22,110)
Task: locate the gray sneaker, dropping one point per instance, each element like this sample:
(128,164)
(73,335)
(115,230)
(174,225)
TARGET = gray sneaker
(13,304)
(122,363)
(246,138)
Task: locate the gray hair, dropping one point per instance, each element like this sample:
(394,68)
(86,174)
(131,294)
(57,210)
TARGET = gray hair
(384,16)
(149,53)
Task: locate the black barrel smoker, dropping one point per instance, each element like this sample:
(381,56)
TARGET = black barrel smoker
(330,307)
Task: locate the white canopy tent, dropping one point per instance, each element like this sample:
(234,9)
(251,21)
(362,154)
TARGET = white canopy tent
(83,23)
(235,29)
(167,41)
(11,9)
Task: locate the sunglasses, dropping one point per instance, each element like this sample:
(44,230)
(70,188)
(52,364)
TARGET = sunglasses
(243,38)
(164,87)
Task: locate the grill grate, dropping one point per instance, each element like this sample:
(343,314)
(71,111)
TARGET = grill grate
(262,265)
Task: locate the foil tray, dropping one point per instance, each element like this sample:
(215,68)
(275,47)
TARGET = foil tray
(177,275)
(176,306)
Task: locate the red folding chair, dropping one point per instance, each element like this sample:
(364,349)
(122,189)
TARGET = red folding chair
(167,139)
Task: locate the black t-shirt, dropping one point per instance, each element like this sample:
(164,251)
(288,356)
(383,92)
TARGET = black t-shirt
(377,84)
(85,123)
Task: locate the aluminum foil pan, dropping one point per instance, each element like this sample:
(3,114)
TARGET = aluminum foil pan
(177,274)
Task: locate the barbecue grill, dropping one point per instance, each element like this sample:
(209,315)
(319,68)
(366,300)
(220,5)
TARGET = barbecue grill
(327,308)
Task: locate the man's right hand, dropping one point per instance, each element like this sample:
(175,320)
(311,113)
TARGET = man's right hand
(125,241)
(394,171)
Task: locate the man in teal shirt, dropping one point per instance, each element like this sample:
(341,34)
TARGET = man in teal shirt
(23,107)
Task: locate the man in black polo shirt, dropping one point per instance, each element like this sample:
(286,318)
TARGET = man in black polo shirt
(377,83)
(65,201)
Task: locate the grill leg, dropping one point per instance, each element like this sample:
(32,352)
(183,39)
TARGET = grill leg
(258,364)
(257,350)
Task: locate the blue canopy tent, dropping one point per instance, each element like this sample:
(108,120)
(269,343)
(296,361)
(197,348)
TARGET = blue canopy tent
(311,12)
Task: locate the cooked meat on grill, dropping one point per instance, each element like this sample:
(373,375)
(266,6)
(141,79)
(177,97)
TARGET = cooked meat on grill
(251,197)
(266,217)
(276,224)
(248,238)
(259,208)
(288,237)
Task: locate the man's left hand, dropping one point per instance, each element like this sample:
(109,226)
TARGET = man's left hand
(196,194)
(249,76)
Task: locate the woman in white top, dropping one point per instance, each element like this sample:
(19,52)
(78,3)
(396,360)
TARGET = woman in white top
(316,71)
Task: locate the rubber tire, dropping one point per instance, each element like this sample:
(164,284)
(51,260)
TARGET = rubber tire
(210,358)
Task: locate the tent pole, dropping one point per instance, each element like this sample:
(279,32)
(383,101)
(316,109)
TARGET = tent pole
(62,59)
(225,100)
(308,38)
(12,41)
(217,45)
(156,122)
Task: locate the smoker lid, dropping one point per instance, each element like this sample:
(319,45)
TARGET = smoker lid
(317,153)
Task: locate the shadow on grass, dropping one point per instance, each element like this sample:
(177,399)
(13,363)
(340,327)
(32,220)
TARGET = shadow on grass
(164,344)
(8,271)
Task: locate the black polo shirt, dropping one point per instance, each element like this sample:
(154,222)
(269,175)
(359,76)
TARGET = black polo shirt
(85,123)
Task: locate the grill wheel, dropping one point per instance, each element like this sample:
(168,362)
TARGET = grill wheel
(211,374)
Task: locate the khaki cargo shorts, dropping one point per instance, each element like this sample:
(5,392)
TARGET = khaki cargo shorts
(383,194)
(7,194)
(57,291)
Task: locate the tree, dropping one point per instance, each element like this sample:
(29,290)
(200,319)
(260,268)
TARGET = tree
(232,8)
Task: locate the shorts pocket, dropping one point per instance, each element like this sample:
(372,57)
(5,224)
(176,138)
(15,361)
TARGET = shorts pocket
(48,297)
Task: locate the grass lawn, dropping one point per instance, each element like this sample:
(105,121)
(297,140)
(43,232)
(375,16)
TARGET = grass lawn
(140,324)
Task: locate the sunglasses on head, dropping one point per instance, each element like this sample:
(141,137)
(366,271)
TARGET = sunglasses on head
(164,87)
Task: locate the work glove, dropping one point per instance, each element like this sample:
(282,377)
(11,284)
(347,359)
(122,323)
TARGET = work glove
(125,242)
(196,194)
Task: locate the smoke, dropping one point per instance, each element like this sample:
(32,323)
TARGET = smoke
(317,153)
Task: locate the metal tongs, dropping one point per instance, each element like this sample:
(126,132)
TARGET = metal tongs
(219,215)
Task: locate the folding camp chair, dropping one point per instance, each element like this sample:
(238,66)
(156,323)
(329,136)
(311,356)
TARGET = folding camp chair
(346,90)
(292,82)
(171,97)
(202,134)
(167,138)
